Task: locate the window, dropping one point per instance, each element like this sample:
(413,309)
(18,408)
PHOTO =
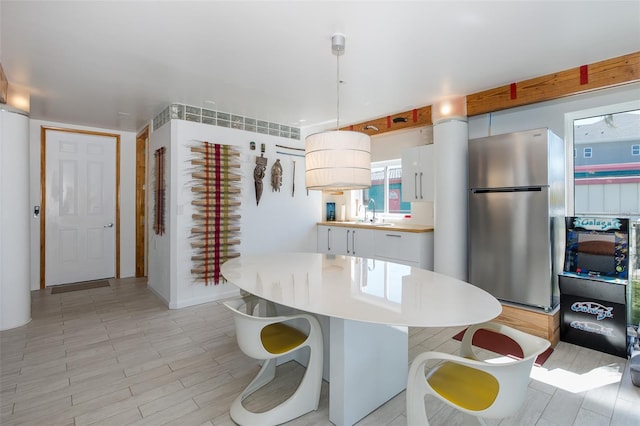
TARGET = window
(609,184)
(386,189)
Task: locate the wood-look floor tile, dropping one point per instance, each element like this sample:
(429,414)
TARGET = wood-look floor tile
(39,390)
(590,418)
(48,368)
(204,374)
(126,417)
(39,413)
(626,413)
(79,358)
(602,399)
(88,391)
(134,401)
(562,408)
(200,416)
(531,411)
(139,355)
(387,414)
(170,413)
(184,394)
(205,359)
(184,354)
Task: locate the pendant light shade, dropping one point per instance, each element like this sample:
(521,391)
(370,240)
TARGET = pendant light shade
(338,160)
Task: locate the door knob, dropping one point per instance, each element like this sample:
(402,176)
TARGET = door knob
(109,225)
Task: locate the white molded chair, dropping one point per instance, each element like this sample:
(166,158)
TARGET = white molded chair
(267,338)
(475,387)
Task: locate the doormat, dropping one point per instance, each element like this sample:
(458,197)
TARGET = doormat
(501,344)
(64,288)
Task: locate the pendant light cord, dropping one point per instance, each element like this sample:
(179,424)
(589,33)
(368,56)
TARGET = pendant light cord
(337,91)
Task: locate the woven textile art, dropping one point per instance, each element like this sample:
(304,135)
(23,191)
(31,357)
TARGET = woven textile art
(216,202)
(160,191)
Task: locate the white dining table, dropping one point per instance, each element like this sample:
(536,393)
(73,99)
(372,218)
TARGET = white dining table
(365,307)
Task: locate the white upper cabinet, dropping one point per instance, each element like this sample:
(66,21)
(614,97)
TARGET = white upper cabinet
(417,174)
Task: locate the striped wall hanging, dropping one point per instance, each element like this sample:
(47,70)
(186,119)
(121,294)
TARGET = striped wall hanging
(160,191)
(216,204)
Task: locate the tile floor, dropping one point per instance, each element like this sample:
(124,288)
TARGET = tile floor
(118,356)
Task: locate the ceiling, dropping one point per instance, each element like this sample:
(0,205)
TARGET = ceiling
(114,65)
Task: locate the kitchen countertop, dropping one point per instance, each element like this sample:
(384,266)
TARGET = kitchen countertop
(400,227)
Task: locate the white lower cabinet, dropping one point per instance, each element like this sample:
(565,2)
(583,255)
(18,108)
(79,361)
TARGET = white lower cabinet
(408,248)
(348,241)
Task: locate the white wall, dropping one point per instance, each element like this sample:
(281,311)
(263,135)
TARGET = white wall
(279,223)
(127,196)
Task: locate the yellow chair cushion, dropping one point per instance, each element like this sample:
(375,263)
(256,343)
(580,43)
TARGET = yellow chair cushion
(464,386)
(279,338)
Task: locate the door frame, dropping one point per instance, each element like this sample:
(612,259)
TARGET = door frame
(142,153)
(43,192)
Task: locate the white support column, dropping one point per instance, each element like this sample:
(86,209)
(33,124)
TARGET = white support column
(450,138)
(15,217)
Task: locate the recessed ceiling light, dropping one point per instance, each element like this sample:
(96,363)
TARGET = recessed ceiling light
(123,114)
(209,102)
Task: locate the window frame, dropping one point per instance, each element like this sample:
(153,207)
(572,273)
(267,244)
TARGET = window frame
(386,165)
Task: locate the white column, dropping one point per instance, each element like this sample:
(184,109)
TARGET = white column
(15,214)
(450,138)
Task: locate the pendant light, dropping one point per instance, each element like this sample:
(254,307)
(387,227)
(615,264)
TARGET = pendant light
(339,159)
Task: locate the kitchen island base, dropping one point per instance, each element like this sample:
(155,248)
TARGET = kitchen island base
(369,366)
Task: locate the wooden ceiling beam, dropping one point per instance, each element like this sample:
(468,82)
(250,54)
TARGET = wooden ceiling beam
(599,75)
(404,120)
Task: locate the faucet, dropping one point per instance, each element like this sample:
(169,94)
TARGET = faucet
(373,219)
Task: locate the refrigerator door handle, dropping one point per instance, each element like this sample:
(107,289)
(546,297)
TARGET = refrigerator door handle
(519,189)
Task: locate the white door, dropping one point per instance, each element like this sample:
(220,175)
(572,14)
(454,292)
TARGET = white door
(80,207)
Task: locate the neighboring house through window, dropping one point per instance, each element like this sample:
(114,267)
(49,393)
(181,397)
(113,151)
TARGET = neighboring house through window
(386,189)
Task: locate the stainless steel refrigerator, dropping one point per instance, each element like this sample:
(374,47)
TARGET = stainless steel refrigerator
(516,216)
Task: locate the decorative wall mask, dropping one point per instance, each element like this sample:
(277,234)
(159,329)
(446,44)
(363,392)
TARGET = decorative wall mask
(258,175)
(276,176)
